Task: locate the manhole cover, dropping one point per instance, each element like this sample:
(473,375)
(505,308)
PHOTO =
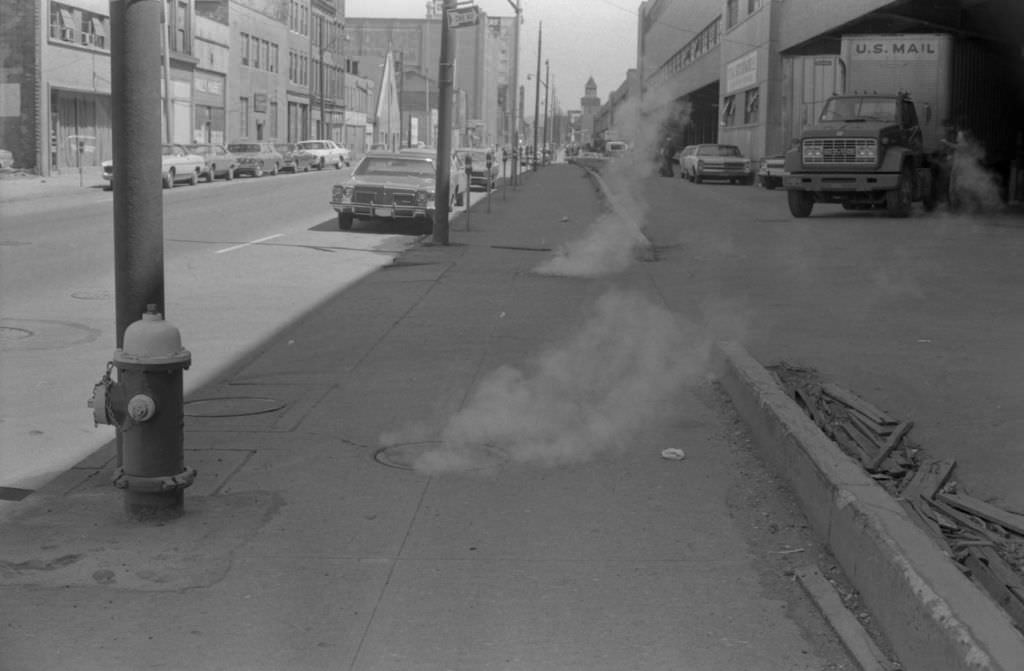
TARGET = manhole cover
(9,334)
(439,458)
(232,406)
(93,295)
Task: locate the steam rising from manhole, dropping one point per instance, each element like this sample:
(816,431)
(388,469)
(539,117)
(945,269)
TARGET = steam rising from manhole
(428,456)
(231,406)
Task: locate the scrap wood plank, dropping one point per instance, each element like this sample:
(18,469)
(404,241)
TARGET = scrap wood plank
(805,401)
(848,398)
(918,514)
(986,511)
(890,444)
(867,446)
(999,579)
(964,520)
(851,632)
(873,432)
(845,440)
(931,475)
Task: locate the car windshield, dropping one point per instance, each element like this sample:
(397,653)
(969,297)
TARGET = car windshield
(379,165)
(243,148)
(719,150)
(859,109)
(313,145)
(283,148)
(170,150)
(201,149)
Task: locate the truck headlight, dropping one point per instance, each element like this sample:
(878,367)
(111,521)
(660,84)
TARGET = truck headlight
(812,152)
(424,197)
(867,151)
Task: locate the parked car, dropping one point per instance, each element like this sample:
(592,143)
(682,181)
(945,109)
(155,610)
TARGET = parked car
(615,148)
(326,152)
(480,175)
(256,157)
(177,165)
(6,159)
(715,161)
(773,169)
(458,181)
(295,158)
(218,161)
(388,186)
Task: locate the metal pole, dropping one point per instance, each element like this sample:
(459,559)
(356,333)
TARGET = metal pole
(135,44)
(168,105)
(444,130)
(514,86)
(536,97)
(323,116)
(547,75)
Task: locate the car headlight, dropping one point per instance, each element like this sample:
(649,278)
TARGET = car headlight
(700,165)
(342,192)
(746,166)
(423,197)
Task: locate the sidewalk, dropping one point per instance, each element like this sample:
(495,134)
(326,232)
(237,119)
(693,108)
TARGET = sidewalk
(457,464)
(557,537)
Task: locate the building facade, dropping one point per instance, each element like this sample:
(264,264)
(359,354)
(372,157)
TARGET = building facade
(754,72)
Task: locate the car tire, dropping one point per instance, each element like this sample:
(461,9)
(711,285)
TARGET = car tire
(460,198)
(230,174)
(194,179)
(345,221)
(258,171)
(306,169)
(169,179)
(211,174)
(800,203)
(697,179)
(321,164)
(276,169)
(339,164)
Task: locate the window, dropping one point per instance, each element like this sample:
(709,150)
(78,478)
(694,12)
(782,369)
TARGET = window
(272,118)
(751,105)
(243,116)
(255,53)
(99,32)
(181,23)
(245,48)
(753,5)
(729,111)
(732,13)
(272,61)
(63,23)
(265,54)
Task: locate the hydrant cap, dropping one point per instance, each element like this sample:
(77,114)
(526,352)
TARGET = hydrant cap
(152,340)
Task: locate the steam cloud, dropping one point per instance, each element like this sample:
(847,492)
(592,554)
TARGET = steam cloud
(975,189)
(586,397)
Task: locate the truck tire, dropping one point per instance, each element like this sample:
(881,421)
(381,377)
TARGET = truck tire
(929,189)
(899,201)
(800,203)
(345,220)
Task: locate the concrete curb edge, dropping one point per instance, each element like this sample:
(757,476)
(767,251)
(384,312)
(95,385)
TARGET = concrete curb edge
(933,616)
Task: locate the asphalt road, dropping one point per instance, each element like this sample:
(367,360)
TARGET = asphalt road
(922,316)
(242,259)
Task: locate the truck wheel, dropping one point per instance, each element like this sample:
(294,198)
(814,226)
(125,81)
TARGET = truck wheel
(929,189)
(899,200)
(345,220)
(697,179)
(800,203)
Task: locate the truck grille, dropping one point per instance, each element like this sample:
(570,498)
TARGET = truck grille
(383,197)
(832,151)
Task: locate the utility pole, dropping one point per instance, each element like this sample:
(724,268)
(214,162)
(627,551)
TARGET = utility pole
(168,103)
(146,403)
(323,118)
(514,87)
(547,75)
(444,129)
(536,96)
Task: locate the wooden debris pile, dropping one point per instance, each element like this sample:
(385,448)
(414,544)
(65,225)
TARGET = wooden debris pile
(986,541)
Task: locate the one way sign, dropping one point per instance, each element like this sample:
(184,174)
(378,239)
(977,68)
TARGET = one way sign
(463,16)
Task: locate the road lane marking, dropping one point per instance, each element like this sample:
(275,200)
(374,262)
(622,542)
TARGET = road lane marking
(246,244)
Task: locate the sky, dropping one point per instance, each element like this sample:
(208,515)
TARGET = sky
(581,39)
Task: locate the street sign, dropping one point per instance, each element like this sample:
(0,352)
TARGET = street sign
(463,16)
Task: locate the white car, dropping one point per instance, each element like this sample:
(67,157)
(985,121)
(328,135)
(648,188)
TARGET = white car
(327,152)
(178,164)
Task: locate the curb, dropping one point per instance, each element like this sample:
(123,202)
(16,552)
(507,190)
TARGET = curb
(933,616)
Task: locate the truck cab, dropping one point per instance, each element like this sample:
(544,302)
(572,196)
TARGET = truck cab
(864,152)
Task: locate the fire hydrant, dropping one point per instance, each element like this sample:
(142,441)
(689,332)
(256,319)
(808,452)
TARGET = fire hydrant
(147,408)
